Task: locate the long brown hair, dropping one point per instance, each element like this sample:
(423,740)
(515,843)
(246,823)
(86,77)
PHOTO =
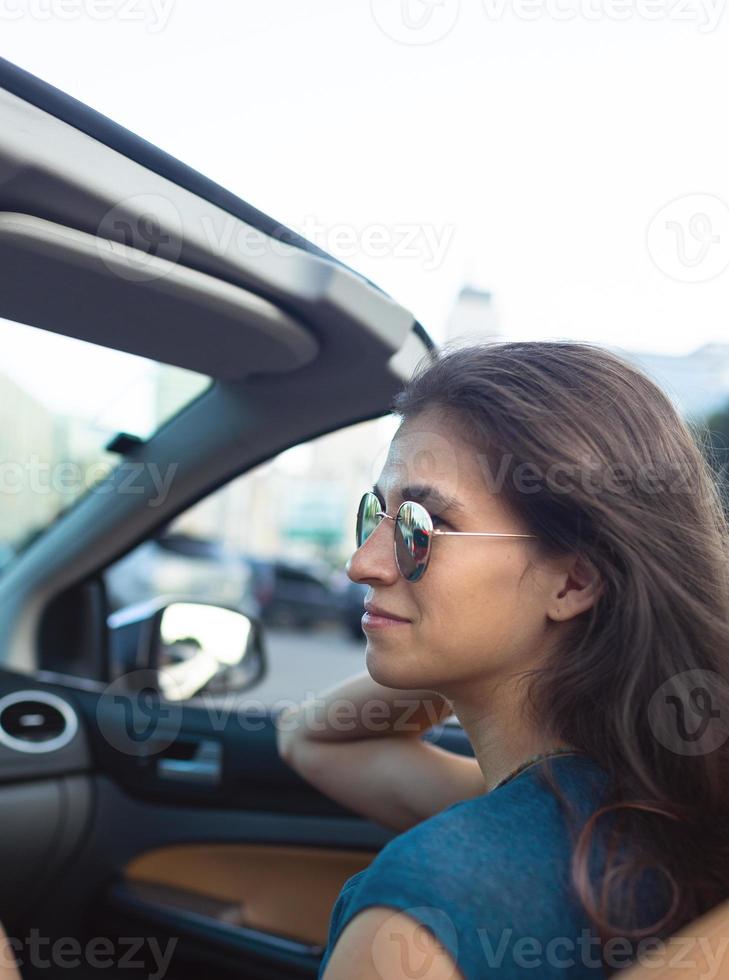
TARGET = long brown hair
(619,477)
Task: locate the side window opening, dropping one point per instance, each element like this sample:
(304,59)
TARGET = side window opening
(273,543)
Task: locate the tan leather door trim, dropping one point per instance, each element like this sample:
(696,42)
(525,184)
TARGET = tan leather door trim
(288,891)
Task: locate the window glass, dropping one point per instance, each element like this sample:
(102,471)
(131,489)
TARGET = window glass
(61,402)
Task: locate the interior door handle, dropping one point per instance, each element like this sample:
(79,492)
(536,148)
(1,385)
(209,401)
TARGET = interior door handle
(204,767)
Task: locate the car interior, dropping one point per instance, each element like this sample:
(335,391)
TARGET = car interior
(211,841)
(98,840)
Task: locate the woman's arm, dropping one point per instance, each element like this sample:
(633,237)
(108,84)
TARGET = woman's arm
(8,969)
(384,942)
(359,742)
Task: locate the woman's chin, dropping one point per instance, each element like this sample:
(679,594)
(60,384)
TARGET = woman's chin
(391,667)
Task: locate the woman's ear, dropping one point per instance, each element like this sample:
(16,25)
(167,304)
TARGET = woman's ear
(577,586)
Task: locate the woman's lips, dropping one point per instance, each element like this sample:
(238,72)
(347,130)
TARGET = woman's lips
(373,621)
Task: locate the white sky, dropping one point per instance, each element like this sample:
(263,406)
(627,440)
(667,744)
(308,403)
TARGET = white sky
(538,150)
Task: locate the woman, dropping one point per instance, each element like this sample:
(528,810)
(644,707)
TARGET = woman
(574,616)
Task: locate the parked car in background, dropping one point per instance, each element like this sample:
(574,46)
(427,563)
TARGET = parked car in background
(353,608)
(296,593)
(177,564)
(282,592)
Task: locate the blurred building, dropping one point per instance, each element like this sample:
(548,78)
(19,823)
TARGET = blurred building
(24,423)
(473,317)
(301,504)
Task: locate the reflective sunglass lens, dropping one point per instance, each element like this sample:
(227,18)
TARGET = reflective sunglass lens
(412,540)
(367,519)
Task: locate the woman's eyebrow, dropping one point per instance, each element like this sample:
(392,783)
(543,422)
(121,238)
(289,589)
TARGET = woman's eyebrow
(421,493)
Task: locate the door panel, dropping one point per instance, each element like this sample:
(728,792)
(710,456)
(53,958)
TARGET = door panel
(221,904)
(261,886)
(220,867)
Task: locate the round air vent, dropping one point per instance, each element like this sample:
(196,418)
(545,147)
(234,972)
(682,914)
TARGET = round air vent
(36,721)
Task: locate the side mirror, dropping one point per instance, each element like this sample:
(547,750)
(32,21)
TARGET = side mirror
(194,647)
(199,646)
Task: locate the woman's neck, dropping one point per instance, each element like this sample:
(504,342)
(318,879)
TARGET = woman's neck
(500,738)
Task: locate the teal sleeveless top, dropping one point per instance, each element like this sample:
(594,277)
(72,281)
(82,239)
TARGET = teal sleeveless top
(489,877)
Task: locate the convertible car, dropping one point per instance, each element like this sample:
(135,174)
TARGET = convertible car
(142,824)
(125,814)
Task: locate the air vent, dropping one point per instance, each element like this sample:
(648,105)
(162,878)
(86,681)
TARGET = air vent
(36,721)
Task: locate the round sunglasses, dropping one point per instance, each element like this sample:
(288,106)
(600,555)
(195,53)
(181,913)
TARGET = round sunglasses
(413,533)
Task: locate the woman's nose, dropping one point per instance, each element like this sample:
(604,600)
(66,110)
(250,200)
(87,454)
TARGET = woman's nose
(375,558)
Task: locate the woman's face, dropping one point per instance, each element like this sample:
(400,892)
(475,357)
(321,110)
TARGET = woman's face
(472,616)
